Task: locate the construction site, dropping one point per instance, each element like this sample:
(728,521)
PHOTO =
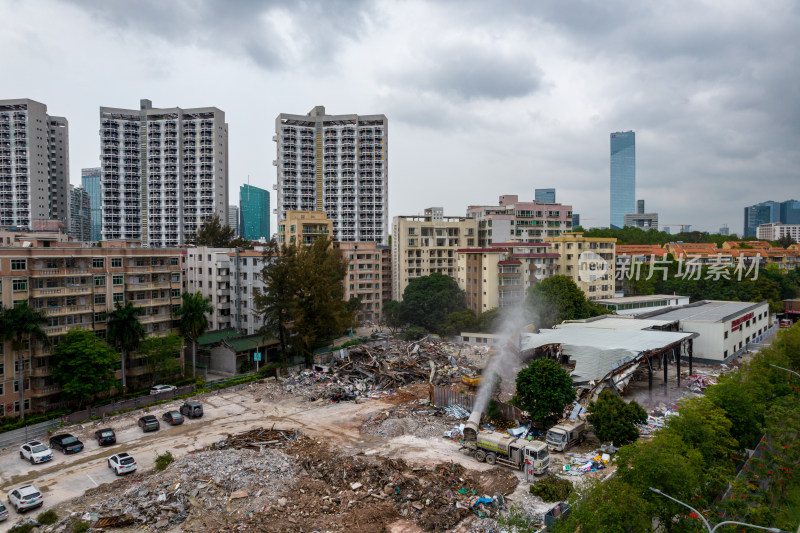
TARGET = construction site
(376,437)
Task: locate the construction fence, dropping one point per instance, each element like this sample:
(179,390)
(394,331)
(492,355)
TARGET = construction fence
(444,396)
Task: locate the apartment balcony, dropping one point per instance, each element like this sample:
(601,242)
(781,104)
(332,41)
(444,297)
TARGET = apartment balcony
(43,392)
(40,372)
(59,330)
(150,319)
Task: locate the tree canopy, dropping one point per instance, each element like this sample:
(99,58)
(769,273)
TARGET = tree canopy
(544,389)
(124,331)
(459,321)
(193,322)
(84,365)
(161,355)
(428,300)
(614,420)
(303,300)
(218,235)
(633,235)
(558,298)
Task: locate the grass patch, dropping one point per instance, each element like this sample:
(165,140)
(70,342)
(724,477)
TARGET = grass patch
(164,460)
(552,489)
(79,526)
(47,518)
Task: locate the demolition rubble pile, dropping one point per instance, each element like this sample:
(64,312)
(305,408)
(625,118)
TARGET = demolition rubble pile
(338,492)
(216,481)
(415,418)
(257,439)
(373,371)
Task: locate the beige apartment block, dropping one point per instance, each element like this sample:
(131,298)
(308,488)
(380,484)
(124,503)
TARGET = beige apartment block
(501,274)
(365,276)
(513,220)
(76,286)
(588,261)
(422,245)
(305,227)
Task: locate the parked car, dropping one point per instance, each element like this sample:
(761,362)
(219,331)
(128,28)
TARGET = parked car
(149,423)
(66,443)
(25,498)
(192,409)
(35,452)
(158,389)
(3,512)
(122,463)
(105,436)
(173,418)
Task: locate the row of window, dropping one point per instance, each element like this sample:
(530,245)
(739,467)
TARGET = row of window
(97,262)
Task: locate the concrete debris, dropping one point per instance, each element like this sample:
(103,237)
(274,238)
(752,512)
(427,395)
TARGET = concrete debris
(371,370)
(257,439)
(456,411)
(210,481)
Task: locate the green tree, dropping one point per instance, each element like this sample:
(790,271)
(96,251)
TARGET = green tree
(743,403)
(615,420)
(489,321)
(162,355)
(704,426)
(457,322)
(23,326)
(785,241)
(124,331)
(193,322)
(391,316)
(84,366)
(303,303)
(668,464)
(611,507)
(544,389)
(558,298)
(215,234)
(428,300)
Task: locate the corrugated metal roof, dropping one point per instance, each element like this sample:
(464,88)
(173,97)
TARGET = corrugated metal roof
(708,311)
(615,322)
(598,351)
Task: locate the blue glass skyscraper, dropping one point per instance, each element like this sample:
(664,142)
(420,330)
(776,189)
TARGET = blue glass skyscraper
(623,176)
(253,213)
(787,212)
(545,196)
(90,179)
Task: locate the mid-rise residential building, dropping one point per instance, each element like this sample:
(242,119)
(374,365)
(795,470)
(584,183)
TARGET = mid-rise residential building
(90,179)
(229,279)
(519,221)
(254,213)
(623,176)
(76,286)
(640,219)
(304,227)
(365,277)
(34,165)
(501,274)
(80,214)
(544,196)
(164,172)
(337,164)
(422,245)
(588,261)
(777,230)
(233,219)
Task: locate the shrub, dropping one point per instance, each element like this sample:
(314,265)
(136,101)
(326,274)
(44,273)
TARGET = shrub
(414,333)
(47,518)
(164,460)
(79,526)
(552,489)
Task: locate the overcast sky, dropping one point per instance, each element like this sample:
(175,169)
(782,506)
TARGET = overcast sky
(483,98)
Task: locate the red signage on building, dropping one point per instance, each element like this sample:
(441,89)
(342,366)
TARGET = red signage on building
(739,321)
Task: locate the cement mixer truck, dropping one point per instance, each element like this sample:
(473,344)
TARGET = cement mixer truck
(493,447)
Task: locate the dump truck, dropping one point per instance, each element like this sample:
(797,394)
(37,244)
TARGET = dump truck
(565,435)
(494,447)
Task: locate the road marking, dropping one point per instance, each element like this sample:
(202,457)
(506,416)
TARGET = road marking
(92,480)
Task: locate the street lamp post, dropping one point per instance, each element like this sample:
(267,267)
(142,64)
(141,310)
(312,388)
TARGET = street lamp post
(705,522)
(791,371)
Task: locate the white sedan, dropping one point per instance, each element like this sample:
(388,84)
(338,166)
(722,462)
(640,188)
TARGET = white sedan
(158,389)
(122,463)
(35,452)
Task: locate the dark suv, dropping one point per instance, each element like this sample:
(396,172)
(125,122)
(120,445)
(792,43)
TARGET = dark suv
(149,423)
(192,410)
(105,436)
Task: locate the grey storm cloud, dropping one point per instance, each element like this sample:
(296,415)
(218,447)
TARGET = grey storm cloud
(244,26)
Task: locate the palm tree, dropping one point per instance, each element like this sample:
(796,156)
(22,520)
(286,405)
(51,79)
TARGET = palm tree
(19,324)
(124,331)
(193,322)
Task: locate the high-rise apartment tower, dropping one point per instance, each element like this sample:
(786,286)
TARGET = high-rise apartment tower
(337,164)
(623,176)
(80,214)
(34,165)
(253,213)
(164,172)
